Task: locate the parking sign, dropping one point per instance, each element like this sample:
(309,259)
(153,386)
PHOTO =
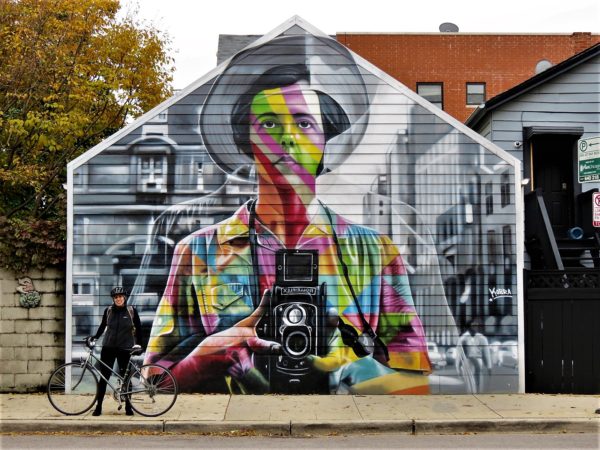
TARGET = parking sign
(588,159)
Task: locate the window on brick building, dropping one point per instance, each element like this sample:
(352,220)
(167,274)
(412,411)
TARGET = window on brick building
(475,93)
(433,92)
(542,65)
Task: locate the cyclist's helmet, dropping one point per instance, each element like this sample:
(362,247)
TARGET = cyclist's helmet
(118,290)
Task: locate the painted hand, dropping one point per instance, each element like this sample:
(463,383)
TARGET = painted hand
(230,347)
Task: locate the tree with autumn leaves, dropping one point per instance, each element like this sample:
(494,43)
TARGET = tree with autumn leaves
(72,72)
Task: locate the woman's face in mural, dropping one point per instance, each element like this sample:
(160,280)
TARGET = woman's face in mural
(286,133)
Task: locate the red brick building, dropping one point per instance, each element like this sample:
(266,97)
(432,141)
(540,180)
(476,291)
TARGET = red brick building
(442,67)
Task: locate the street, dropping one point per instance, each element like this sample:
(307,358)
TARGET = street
(487,441)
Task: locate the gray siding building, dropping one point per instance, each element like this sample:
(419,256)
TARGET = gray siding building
(543,121)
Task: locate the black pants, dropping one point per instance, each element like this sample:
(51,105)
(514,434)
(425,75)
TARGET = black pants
(108,356)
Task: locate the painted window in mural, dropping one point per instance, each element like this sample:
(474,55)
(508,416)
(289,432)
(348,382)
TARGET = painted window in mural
(300,224)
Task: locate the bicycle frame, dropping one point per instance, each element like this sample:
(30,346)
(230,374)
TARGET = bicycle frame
(91,363)
(150,389)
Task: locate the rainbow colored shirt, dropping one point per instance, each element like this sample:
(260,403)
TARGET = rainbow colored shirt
(209,290)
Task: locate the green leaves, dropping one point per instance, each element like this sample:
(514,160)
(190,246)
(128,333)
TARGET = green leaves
(71,73)
(33,243)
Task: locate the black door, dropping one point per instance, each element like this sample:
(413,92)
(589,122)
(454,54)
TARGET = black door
(553,158)
(562,338)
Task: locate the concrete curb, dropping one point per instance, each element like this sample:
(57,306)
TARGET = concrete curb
(507,426)
(280,428)
(80,426)
(303,428)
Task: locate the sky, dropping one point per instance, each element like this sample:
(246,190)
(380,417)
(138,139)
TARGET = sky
(194,26)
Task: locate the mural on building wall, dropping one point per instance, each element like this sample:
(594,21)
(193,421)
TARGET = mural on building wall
(298,224)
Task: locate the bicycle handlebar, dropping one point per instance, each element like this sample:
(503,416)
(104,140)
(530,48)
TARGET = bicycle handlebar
(90,343)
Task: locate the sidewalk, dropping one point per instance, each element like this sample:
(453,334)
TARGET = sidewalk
(309,415)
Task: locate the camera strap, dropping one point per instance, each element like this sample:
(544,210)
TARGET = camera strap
(254,286)
(361,344)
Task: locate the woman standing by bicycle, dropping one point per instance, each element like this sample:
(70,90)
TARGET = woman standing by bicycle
(123,332)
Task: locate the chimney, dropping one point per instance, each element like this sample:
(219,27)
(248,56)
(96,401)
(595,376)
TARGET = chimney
(581,40)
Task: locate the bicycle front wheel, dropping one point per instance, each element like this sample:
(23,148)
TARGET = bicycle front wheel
(152,390)
(72,389)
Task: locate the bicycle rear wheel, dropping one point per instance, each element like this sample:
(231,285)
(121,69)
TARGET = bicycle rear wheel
(152,390)
(72,389)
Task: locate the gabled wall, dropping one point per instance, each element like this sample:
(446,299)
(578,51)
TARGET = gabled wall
(424,212)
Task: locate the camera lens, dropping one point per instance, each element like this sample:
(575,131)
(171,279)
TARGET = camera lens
(295,314)
(296,343)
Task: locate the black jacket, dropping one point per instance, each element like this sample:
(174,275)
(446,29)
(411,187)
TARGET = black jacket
(119,328)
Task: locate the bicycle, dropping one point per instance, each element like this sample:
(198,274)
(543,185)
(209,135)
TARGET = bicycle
(151,388)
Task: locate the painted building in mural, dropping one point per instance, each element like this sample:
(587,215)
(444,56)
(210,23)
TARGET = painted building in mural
(297,221)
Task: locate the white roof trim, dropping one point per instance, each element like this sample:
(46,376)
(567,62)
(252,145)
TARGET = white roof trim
(295,20)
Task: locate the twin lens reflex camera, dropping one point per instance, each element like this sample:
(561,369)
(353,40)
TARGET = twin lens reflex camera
(295,318)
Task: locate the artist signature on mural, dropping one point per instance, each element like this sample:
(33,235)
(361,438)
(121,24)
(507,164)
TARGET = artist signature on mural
(496,293)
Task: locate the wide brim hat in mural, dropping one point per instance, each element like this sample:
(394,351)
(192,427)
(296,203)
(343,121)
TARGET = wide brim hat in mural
(332,71)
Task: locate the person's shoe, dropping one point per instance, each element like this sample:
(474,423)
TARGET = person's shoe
(128,410)
(97,411)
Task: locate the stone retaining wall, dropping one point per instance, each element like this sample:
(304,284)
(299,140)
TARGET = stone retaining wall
(32,340)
